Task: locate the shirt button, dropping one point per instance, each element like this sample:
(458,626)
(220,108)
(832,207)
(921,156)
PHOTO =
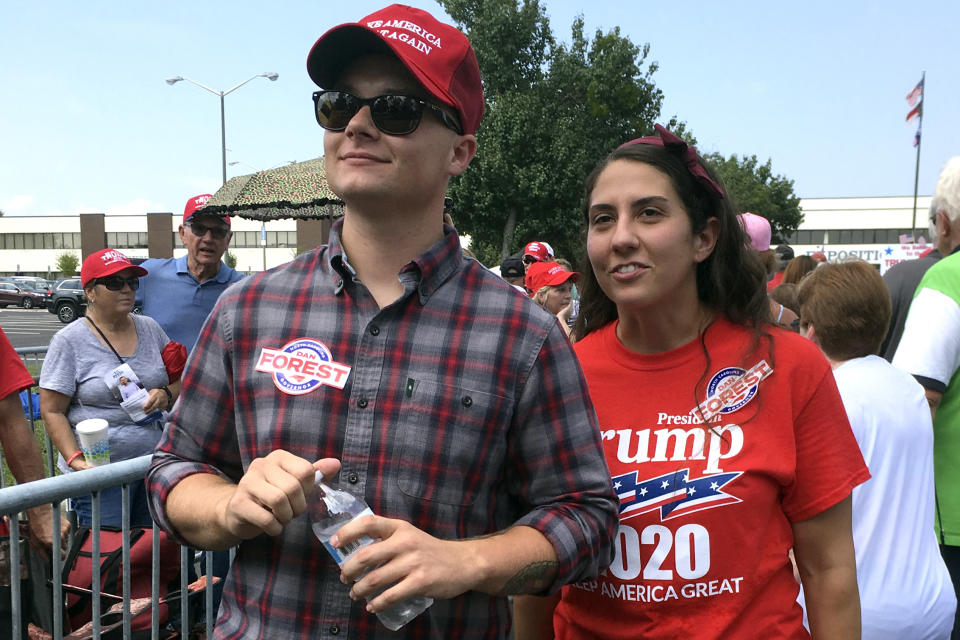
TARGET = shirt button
(374,330)
(467,401)
(334,629)
(362,402)
(353,478)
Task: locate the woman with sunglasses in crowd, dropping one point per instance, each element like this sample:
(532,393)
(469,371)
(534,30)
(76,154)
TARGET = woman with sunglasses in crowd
(725,435)
(81,373)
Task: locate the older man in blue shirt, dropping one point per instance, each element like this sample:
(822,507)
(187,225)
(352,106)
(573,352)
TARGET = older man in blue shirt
(179,293)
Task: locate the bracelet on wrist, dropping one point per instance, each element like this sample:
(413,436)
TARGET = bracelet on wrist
(166,390)
(76,454)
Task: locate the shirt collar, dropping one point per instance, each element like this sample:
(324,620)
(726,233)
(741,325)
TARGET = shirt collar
(434,267)
(223,273)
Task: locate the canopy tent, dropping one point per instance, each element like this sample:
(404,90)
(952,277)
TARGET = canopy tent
(298,190)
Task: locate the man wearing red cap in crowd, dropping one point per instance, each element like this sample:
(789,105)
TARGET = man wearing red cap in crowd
(180,292)
(536,252)
(440,396)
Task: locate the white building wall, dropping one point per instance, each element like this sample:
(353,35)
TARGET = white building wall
(836,214)
(43,261)
(832,214)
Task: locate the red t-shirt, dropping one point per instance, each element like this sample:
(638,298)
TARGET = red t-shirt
(14,377)
(774,281)
(705,516)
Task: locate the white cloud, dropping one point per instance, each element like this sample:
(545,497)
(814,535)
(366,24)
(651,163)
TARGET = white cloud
(17,203)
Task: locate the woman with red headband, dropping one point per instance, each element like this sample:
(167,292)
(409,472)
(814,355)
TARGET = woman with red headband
(725,435)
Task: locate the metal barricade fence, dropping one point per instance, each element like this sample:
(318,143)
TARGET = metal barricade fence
(16,499)
(57,488)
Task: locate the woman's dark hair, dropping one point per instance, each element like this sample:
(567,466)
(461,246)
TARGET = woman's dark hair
(731,279)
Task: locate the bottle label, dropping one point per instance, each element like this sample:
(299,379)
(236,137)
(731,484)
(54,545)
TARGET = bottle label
(342,554)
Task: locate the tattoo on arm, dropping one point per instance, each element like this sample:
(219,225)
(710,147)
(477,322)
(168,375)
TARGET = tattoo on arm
(533,578)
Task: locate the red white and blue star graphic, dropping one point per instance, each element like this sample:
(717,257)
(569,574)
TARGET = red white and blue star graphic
(674,494)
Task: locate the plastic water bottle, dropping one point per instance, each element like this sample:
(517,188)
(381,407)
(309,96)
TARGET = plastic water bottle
(329,510)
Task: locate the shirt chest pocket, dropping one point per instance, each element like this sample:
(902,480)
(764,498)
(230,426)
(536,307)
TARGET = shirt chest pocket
(453,442)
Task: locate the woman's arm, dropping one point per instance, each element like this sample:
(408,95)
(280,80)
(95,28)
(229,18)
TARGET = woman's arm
(823,547)
(533,617)
(53,409)
(159,401)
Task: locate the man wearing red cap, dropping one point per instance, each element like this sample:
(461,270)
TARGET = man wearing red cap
(180,292)
(442,397)
(536,252)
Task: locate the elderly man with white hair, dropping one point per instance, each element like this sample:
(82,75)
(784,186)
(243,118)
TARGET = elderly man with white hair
(930,350)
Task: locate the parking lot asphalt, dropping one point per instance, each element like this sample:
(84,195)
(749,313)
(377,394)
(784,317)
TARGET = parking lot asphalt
(29,327)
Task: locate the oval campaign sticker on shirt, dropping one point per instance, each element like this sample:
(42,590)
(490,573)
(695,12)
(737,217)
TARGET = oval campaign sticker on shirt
(302,365)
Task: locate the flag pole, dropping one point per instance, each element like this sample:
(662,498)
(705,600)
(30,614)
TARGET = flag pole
(916,173)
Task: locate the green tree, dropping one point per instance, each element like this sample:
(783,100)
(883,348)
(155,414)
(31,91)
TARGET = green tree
(230,259)
(552,112)
(755,188)
(67,263)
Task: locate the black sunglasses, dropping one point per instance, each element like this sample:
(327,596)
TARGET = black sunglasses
(396,115)
(115,283)
(217,232)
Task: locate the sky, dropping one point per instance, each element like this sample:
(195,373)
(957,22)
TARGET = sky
(87,123)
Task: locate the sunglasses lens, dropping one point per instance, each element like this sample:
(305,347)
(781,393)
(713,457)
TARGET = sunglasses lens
(115,283)
(396,115)
(217,232)
(335,109)
(392,114)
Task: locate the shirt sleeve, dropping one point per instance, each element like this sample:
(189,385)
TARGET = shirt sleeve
(15,375)
(930,346)
(200,436)
(558,464)
(829,463)
(59,371)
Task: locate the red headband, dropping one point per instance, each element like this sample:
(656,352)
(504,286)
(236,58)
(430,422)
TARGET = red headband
(688,154)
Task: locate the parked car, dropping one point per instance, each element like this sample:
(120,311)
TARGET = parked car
(67,301)
(10,293)
(43,292)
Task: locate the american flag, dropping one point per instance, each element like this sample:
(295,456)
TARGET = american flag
(915,100)
(916,94)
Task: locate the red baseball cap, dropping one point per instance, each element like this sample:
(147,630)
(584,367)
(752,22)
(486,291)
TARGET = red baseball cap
(542,274)
(437,54)
(107,262)
(194,208)
(538,250)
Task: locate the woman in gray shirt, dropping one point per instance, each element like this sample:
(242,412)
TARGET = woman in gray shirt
(77,371)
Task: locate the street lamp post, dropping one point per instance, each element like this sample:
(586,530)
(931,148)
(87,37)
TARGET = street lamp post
(223,123)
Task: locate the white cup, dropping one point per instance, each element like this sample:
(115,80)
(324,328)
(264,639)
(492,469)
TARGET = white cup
(94,441)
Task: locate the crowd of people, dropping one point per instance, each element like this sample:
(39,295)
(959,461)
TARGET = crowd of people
(693,435)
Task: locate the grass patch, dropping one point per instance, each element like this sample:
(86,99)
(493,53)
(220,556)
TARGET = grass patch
(39,432)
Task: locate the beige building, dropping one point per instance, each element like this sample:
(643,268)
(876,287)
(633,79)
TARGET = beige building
(868,228)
